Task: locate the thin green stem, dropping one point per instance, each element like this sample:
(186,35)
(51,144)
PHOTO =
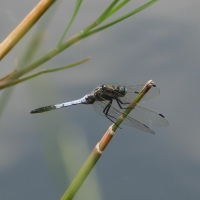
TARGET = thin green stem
(13,82)
(101,18)
(104,15)
(120,18)
(76,9)
(8,75)
(117,7)
(47,57)
(84,34)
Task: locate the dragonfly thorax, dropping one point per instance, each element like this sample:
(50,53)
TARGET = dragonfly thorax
(108,92)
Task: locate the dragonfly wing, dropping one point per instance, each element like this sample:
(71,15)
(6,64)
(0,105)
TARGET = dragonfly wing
(149,117)
(99,107)
(115,113)
(133,90)
(129,121)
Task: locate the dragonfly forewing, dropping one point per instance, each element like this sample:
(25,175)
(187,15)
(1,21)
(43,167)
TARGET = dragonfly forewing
(133,90)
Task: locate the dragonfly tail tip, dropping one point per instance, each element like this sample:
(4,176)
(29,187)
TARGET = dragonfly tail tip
(34,111)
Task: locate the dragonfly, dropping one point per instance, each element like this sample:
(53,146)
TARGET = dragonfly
(110,101)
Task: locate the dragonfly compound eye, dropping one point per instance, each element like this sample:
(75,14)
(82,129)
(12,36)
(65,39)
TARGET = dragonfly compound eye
(122,90)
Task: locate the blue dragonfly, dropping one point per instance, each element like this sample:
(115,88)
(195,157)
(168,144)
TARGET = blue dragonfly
(110,101)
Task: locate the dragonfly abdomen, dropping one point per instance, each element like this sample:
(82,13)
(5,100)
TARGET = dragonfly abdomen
(57,106)
(43,109)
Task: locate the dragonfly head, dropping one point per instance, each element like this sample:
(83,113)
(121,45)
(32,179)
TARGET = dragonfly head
(122,90)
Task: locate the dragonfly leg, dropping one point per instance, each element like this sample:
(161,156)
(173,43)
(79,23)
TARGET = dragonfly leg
(106,110)
(120,103)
